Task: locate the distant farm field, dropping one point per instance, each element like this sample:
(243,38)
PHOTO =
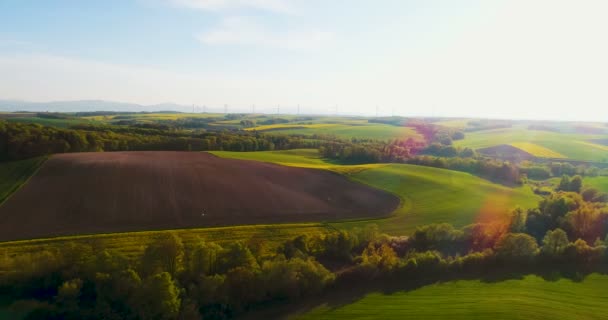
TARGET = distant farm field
(286,126)
(600,183)
(153,116)
(86,193)
(303,158)
(60,123)
(345,130)
(453,123)
(537,150)
(306,158)
(571,146)
(428,195)
(530,298)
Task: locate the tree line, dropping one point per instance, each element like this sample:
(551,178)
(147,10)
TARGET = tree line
(24,140)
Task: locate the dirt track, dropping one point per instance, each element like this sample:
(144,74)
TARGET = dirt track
(83,193)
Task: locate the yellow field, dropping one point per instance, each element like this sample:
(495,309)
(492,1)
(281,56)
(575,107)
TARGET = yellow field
(455,123)
(593,145)
(536,150)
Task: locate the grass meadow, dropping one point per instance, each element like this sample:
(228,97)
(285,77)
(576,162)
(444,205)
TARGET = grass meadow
(600,183)
(432,195)
(531,298)
(428,195)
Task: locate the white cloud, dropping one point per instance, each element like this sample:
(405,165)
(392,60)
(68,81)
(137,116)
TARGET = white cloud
(280,6)
(247,32)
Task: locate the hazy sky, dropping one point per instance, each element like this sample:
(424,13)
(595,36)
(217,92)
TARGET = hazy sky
(512,58)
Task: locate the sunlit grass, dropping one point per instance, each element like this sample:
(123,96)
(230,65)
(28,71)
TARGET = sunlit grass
(428,195)
(431,195)
(303,158)
(307,158)
(528,298)
(600,183)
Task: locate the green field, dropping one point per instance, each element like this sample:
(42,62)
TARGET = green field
(308,158)
(60,123)
(572,146)
(528,298)
(428,195)
(349,130)
(431,195)
(600,183)
(14,174)
(303,158)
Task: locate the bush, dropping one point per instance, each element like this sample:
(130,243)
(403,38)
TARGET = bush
(517,247)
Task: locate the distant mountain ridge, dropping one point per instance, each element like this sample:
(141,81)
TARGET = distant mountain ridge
(86,105)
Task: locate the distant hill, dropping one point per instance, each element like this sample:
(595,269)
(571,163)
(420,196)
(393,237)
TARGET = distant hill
(85,105)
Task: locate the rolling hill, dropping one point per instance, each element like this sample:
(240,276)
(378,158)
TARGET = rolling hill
(83,193)
(428,195)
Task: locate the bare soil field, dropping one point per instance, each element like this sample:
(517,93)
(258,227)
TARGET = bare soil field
(82,193)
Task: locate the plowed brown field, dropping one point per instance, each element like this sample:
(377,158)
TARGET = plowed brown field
(84,193)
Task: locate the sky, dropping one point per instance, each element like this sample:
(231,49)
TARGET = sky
(523,59)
